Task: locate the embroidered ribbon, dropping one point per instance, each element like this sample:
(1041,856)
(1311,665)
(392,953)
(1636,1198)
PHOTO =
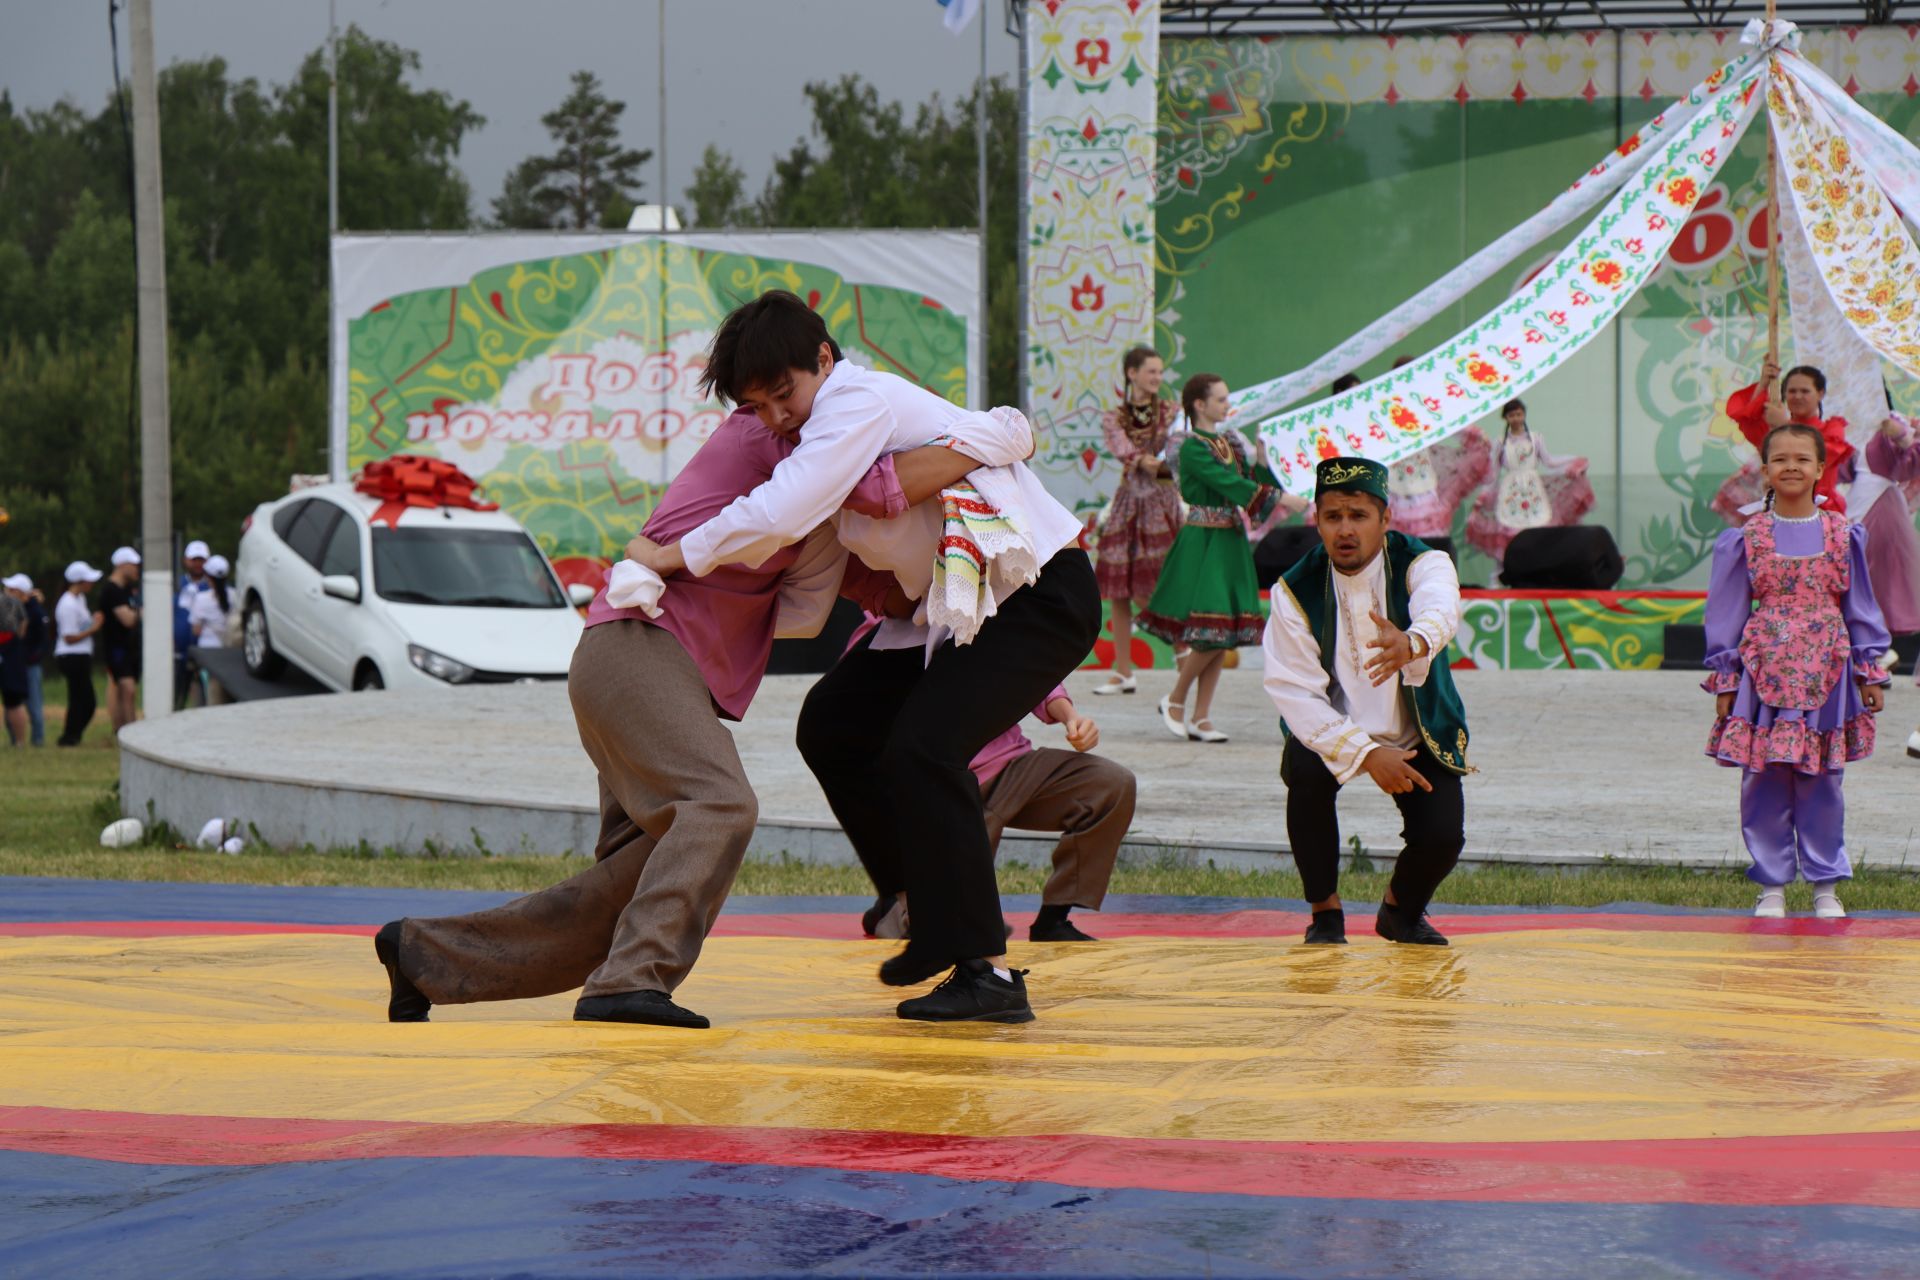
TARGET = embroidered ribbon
(410,480)
(979,548)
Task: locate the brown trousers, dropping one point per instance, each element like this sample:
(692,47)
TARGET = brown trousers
(676,814)
(1087,798)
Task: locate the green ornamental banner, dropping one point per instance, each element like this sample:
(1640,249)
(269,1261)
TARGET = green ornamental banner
(562,372)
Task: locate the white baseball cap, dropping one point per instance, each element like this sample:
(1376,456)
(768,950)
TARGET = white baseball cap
(217,566)
(81,571)
(18,582)
(125,555)
(196,550)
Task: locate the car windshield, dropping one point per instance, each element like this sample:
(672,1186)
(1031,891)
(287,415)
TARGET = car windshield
(474,568)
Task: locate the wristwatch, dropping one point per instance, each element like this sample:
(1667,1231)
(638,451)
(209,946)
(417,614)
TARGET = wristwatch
(1418,643)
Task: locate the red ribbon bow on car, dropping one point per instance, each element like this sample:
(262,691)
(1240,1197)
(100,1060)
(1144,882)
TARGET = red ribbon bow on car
(410,480)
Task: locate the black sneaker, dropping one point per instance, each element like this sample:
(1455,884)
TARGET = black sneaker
(647,1008)
(973,992)
(1393,925)
(1061,930)
(1327,928)
(404,1001)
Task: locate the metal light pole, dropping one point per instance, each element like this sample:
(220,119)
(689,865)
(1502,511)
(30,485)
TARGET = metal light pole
(336,456)
(156,476)
(980,130)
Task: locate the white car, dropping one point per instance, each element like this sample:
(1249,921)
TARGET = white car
(447,595)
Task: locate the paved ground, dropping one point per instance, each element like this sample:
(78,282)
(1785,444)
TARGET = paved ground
(1574,766)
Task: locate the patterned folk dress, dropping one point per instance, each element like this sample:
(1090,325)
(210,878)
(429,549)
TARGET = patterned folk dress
(1145,513)
(1208,597)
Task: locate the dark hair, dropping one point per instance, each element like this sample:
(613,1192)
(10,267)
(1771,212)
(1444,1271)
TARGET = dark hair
(1400,362)
(1345,382)
(220,592)
(760,341)
(1797,428)
(1819,379)
(1511,405)
(1137,356)
(1198,387)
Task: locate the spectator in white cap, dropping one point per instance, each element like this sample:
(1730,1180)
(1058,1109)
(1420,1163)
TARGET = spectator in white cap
(212,611)
(120,637)
(20,663)
(75,624)
(193,583)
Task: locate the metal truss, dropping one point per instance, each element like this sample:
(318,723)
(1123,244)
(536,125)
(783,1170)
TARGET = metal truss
(1413,17)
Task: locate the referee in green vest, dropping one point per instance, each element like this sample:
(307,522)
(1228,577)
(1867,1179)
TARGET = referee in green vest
(1351,644)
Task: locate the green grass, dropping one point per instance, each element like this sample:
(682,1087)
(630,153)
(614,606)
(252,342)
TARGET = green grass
(53,803)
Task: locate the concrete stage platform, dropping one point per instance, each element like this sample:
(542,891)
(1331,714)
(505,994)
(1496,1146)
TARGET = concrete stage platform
(1576,768)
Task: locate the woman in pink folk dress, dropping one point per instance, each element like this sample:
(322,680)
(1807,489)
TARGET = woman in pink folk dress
(1145,514)
(1794,639)
(1882,500)
(1531,489)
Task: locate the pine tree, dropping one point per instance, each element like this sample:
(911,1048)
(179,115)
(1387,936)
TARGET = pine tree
(590,181)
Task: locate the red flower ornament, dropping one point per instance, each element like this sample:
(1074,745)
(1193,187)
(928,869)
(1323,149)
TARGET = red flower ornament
(1088,296)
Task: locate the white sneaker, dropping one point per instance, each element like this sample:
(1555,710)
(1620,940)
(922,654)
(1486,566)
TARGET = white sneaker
(1208,734)
(1125,684)
(1913,744)
(1772,904)
(1176,725)
(1826,903)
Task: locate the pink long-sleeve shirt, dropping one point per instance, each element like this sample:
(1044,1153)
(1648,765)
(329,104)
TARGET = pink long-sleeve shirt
(1006,748)
(726,621)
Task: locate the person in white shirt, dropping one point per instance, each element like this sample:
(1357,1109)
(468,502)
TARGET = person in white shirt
(891,730)
(1356,663)
(211,607)
(75,624)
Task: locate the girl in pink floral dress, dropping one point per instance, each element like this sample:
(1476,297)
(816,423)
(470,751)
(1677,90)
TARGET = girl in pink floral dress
(1794,638)
(1145,513)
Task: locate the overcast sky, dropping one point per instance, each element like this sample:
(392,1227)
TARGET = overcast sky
(735,68)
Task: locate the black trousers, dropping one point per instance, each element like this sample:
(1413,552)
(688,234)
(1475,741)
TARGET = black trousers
(1433,827)
(890,738)
(78,669)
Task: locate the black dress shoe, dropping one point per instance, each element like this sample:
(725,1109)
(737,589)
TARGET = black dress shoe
(1393,925)
(912,966)
(404,1001)
(1327,928)
(1057,931)
(973,992)
(648,1008)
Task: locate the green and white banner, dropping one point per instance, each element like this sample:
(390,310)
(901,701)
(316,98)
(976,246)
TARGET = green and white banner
(562,371)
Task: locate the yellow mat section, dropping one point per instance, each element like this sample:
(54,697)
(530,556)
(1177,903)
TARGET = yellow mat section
(1543,1036)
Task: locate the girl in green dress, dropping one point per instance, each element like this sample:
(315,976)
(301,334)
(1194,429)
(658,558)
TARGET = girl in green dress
(1208,598)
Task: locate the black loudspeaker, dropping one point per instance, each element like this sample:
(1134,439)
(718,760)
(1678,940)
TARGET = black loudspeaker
(819,653)
(1580,558)
(1280,550)
(1441,544)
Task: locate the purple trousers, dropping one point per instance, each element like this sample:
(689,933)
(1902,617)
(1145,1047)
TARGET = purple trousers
(1793,822)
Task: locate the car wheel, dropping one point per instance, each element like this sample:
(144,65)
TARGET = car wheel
(367,677)
(256,643)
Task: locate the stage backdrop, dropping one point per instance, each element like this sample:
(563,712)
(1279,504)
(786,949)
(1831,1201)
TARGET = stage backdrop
(1306,186)
(560,370)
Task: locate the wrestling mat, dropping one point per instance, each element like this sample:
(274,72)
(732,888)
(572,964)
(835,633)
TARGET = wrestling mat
(199,1081)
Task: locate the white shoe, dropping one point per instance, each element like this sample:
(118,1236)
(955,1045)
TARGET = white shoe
(1124,685)
(1913,744)
(1208,734)
(1826,903)
(1772,905)
(1176,725)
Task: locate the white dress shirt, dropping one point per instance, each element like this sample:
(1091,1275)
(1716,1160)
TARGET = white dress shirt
(71,615)
(1345,718)
(859,415)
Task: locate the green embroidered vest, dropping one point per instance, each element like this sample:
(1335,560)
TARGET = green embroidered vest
(1435,705)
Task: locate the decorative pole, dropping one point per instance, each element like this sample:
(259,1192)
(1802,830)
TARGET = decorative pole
(1773,221)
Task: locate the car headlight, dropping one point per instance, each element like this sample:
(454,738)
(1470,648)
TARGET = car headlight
(439,665)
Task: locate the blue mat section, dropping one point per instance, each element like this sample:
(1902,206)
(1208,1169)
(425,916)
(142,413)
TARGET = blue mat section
(36,899)
(414,1219)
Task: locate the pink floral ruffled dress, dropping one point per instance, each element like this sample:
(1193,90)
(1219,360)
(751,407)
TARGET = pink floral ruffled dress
(1792,626)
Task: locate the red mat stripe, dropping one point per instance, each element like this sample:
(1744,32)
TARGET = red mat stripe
(1278,925)
(1881,1170)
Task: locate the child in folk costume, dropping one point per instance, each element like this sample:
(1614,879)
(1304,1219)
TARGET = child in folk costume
(1531,489)
(1885,511)
(1208,599)
(1794,637)
(1145,513)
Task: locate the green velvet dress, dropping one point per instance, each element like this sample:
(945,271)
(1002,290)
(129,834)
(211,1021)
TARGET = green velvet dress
(1208,597)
